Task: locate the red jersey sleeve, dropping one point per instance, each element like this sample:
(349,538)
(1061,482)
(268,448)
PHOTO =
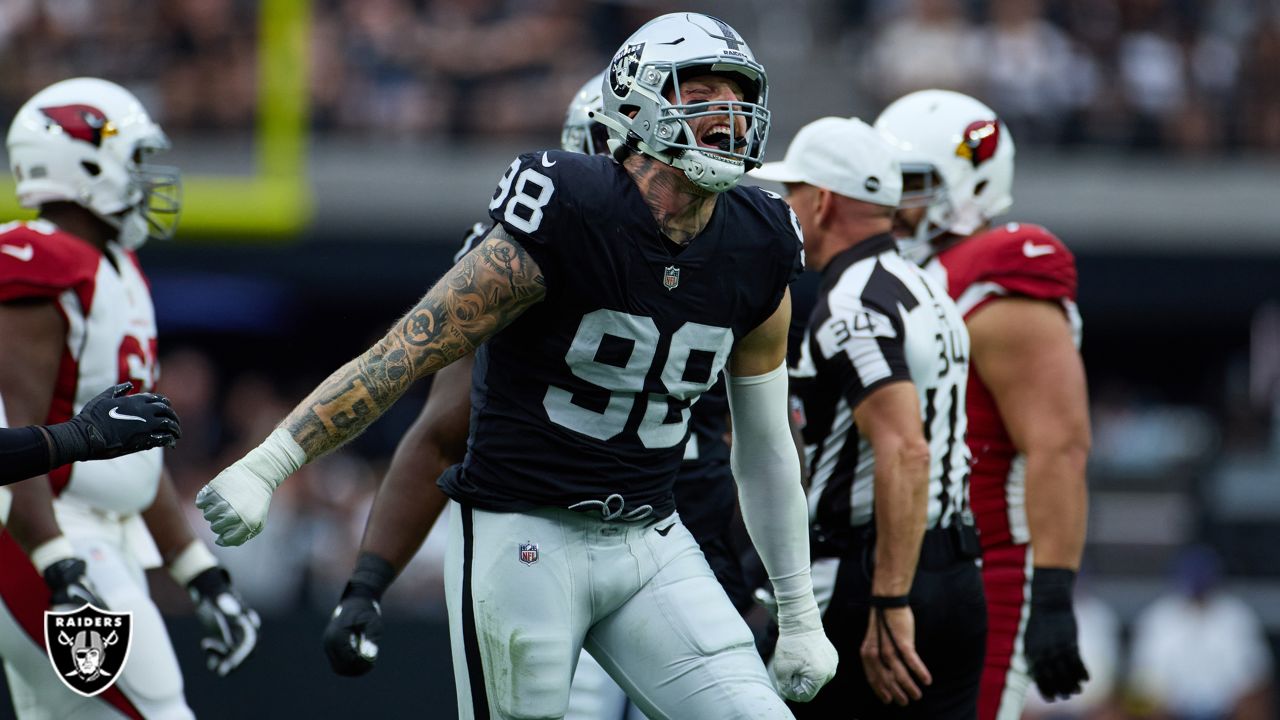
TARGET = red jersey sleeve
(38,261)
(1013,260)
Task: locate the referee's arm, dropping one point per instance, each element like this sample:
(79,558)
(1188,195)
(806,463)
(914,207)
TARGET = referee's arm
(889,417)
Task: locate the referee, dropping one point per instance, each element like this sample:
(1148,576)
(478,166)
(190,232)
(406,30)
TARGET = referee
(881,389)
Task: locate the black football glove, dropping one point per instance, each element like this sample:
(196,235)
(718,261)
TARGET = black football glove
(1050,642)
(352,635)
(230,626)
(70,587)
(114,424)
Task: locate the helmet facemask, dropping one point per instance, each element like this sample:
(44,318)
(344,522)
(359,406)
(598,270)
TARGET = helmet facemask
(646,113)
(159,192)
(923,187)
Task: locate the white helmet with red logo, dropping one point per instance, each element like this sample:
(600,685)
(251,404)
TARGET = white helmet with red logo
(83,141)
(961,151)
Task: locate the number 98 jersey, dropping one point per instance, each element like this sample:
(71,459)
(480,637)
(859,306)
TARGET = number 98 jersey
(587,394)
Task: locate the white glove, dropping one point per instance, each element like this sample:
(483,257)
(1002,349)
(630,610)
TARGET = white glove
(804,659)
(235,502)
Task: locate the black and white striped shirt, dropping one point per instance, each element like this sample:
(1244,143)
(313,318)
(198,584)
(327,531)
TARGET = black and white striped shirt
(880,319)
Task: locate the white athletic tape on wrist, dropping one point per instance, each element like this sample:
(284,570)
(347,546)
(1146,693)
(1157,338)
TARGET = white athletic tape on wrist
(52,551)
(193,560)
(278,457)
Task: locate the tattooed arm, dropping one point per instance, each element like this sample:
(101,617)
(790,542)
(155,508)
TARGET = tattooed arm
(483,293)
(488,289)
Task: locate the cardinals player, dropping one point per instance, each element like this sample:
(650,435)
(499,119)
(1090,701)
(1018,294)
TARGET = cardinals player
(75,316)
(1027,403)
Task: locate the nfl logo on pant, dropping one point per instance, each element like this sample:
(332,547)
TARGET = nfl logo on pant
(529,552)
(88,647)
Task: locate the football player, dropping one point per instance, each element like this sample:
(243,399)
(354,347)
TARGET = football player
(606,299)
(76,315)
(104,428)
(404,510)
(1027,400)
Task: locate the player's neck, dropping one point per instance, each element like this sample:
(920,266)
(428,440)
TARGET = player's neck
(75,220)
(680,208)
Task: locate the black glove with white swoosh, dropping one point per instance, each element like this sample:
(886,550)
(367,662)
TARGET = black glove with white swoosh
(114,424)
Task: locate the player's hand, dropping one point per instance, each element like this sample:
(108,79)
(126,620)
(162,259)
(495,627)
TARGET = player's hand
(804,659)
(894,670)
(114,423)
(352,635)
(236,501)
(1051,647)
(230,626)
(70,587)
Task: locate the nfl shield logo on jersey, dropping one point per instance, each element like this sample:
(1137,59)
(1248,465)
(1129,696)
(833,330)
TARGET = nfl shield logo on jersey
(88,647)
(529,552)
(670,277)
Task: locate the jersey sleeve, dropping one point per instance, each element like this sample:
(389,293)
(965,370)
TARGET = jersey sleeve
(787,246)
(861,345)
(473,237)
(533,204)
(39,262)
(1018,260)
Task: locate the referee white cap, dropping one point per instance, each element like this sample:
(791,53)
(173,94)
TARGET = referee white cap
(843,155)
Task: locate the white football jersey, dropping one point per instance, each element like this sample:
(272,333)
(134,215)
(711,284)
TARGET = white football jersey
(111,338)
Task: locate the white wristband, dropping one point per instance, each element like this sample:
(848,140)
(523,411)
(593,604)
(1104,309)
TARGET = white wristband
(192,561)
(52,551)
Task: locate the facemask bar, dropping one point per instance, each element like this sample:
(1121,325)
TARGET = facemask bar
(672,122)
(161,188)
(921,185)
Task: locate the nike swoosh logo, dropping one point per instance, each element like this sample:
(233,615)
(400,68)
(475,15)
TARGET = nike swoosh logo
(21,252)
(115,413)
(544,161)
(663,531)
(1034,251)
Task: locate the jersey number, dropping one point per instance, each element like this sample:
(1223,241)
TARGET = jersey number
(625,382)
(533,191)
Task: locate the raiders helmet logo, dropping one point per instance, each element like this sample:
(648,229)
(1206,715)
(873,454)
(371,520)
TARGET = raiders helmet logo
(88,647)
(623,68)
(979,142)
(82,122)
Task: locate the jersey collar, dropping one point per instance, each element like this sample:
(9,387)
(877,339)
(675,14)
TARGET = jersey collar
(870,247)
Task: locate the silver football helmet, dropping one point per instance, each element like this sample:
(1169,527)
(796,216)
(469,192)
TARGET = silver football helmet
(85,141)
(581,132)
(651,63)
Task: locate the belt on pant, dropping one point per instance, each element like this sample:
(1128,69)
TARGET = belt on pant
(939,548)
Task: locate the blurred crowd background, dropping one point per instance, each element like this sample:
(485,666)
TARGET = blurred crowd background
(1180,594)
(1186,76)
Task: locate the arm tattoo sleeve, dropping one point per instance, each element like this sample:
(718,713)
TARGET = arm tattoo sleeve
(489,288)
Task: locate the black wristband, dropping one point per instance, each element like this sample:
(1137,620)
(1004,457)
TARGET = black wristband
(372,576)
(67,443)
(888,602)
(1052,586)
(211,582)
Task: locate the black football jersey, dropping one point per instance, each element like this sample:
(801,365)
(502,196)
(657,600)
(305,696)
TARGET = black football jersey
(588,393)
